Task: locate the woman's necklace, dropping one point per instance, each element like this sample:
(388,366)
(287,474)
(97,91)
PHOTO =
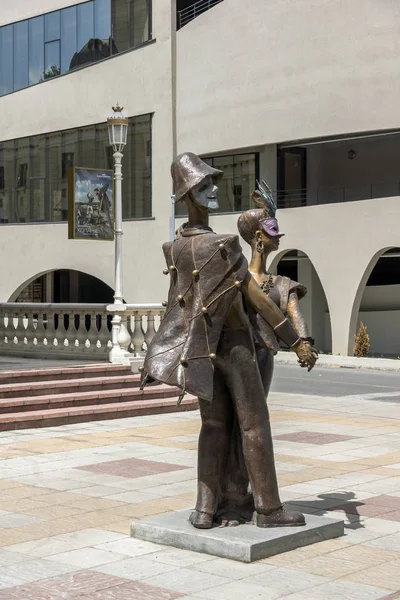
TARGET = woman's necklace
(267,284)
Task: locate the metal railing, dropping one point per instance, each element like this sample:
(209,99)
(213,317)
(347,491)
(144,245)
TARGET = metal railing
(191,12)
(81,331)
(309,197)
(336,194)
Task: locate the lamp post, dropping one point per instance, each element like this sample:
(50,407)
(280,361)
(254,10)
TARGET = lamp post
(117,134)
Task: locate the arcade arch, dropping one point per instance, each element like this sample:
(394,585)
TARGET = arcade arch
(377,303)
(63,286)
(298,266)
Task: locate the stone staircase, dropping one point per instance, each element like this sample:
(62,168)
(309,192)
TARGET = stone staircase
(47,397)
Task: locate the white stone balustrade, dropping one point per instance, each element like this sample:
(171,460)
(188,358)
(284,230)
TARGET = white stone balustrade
(81,331)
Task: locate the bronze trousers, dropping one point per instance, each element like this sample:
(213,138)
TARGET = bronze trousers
(235,443)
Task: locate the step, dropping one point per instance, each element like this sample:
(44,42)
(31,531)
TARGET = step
(67,372)
(62,416)
(84,384)
(78,399)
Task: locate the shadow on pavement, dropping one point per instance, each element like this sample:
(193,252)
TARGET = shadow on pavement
(335,501)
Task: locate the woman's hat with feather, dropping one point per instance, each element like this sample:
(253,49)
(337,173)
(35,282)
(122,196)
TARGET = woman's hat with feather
(264,200)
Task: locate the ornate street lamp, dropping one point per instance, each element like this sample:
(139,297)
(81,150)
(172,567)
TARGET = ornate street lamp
(118,132)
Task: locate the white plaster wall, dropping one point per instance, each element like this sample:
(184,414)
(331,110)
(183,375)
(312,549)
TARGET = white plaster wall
(384,331)
(381,297)
(266,71)
(141,81)
(25,9)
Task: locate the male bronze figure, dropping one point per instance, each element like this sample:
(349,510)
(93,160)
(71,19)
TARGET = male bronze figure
(205,346)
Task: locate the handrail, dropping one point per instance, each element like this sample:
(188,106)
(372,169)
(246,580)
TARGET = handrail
(191,12)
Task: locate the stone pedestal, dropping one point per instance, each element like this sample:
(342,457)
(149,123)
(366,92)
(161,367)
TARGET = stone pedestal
(245,543)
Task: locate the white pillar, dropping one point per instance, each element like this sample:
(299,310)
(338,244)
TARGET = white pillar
(118,297)
(120,336)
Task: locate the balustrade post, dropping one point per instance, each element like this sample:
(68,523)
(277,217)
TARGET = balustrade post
(2,329)
(151,330)
(92,334)
(40,330)
(29,329)
(120,337)
(104,334)
(52,341)
(138,335)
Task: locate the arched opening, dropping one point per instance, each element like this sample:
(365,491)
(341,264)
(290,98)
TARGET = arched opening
(63,286)
(377,304)
(314,306)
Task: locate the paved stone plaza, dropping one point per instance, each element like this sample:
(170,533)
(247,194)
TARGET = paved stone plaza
(69,494)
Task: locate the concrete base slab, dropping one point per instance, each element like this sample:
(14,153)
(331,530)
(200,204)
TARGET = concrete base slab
(245,543)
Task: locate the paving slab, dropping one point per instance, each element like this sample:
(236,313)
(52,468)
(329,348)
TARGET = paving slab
(245,543)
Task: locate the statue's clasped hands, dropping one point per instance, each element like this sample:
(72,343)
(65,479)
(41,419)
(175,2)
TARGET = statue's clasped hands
(306,353)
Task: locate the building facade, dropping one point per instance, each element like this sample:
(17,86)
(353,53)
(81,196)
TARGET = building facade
(304,95)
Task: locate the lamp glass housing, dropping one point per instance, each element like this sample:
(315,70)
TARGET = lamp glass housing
(117,130)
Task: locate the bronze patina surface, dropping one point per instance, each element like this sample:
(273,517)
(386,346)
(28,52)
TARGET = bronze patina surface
(259,228)
(205,346)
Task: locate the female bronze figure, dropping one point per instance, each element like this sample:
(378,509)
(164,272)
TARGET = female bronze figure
(259,228)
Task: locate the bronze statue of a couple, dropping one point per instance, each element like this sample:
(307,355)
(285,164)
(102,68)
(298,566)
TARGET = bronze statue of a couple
(222,326)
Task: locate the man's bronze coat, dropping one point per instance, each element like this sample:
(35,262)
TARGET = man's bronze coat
(203,268)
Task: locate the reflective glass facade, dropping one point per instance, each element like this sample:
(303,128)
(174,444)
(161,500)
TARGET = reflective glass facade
(237,184)
(37,49)
(34,171)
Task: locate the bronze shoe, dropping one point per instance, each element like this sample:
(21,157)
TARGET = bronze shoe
(279,517)
(201,520)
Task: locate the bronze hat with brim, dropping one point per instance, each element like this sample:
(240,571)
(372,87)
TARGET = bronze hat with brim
(188,170)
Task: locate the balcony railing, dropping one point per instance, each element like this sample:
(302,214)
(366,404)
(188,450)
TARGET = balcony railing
(74,331)
(191,12)
(335,194)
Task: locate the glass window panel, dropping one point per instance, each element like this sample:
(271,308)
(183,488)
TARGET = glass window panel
(85,27)
(69,158)
(51,59)
(58,210)
(244,180)
(87,147)
(8,192)
(68,37)
(20,55)
(52,26)
(36,50)
(4,199)
(35,203)
(21,180)
(137,158)
(102,28)
(139,21)
(102,19)
(121,25)
(102,145)
(225,185)
(6,60)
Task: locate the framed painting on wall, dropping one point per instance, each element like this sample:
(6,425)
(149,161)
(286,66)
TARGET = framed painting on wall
(90,204)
